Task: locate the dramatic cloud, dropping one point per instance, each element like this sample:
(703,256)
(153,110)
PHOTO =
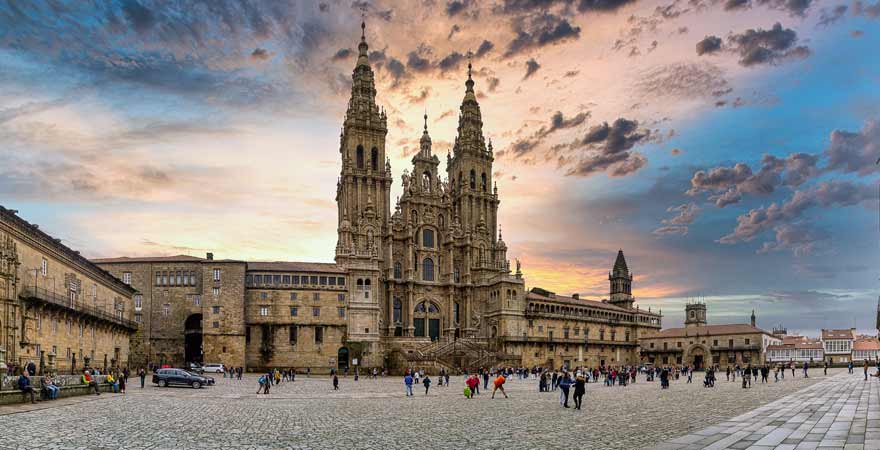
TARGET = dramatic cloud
(829,17)
(539,31)
(825,194)
(796,8)
(868,10)
(683,81)
(485,47)
(759,46)
(345,53)
(855,152)
(606,148)
(456,6)
(709,44)
(558,121)
(532,66)
(801,239)
(450,61)
(687,212)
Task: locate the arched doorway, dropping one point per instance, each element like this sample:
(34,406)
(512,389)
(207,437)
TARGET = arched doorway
(342,359)
(426,320)
(192,340)
(698,357)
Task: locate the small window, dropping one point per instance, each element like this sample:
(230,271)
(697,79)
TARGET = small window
(258,279)
(341,312)
(293,334)
(215,309)
(319,335)
(323,281)
(166,310)
(216,291)
(360,157)
(428,269)
(294,311)
(216,274)
(428,238)
(264,310)
(473,180)
(138,301)
(398,271)
(295,279)
(264,295)
(331,281)
(276,279)
(341,297)
(316,311)
(126,278)
(340,281)
(316,296)
(215,324)
(293,295)
(285,279)
(313,279)
(44,267)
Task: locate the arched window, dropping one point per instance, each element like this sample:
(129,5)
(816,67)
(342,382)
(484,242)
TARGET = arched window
(398,271)
(360,157)
(483,176)
(398,311)
(374,158)
(473,179)
(428,238)
(455,316)
(426,181)
(432,308)
(428,269)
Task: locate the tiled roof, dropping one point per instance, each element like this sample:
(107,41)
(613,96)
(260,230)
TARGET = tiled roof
(707,330)
(148,259)
(531,295)
(866,344)
(838,334)
(294,266)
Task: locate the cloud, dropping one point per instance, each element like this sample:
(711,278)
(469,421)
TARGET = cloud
(532,66)
(675,152)
(855,152)
(493,84)
(795,8)
(829,17)
(345,53)
(456,6)
(260,54)
(417,63)
(709,44)
(455,29)
(140,17)
(759,46)
(602,5)
(687,213)
(450,62)
(731,5)
(800,239)
(825,194)
(539,31)
(671,229)
(606,148)
(732,182)
(484,48)
(682,80)
(866,9)
(558,121)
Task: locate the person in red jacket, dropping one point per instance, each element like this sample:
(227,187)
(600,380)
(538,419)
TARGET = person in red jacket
(472,383)
(498,385)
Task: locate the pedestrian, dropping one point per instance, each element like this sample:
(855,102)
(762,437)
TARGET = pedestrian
(849,367)
(807,367)
(498,385)
(472,383)
(446,378)
(866,370)
(564,384)
(32,368)
(408,382)
(427,383)
(121,380)
(690,376)
(142,374)
(580,389)
(335,382)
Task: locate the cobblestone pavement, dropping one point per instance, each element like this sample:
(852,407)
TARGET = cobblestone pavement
(376,414)
(839,413)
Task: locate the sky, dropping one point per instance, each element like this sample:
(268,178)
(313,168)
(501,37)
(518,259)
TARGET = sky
(728,147)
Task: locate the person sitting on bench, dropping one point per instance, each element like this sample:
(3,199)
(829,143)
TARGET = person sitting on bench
(24,385)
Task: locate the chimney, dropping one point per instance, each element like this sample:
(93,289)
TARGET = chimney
(210,256)
(576,296)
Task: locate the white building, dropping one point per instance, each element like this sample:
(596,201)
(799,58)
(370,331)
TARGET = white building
(838,345)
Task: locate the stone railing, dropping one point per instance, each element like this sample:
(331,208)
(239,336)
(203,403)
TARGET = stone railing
(10,382)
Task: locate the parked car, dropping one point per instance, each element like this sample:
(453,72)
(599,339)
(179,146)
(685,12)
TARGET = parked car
(196,368)
(214,368)
(168,377)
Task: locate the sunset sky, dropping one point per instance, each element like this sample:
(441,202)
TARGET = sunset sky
(728,147)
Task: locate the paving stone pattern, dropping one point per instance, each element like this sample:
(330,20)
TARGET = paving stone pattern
(376,414)
(838,413)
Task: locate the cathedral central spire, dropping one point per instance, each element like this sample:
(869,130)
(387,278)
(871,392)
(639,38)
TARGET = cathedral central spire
(363,48)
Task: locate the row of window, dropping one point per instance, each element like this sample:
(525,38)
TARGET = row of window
(287,280)
(171,278)
(427,270)
(53,323)
(316,296)
(293,332)
(838,346)
(294,311)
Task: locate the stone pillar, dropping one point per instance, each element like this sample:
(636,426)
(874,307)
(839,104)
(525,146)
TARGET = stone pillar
(3,367)
(53,371)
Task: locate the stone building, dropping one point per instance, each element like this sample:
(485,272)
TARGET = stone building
(701,345)
(57,309)
(422,281)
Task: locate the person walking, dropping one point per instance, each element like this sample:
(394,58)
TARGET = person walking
(485,379)
(825,367)
(690,373)
(446,378)
(849,367)
(580,389)
(408,382)
(807,367)
(498,385)
(142,374)
(427,383)
(122,381)
(866,370)
(335,382)
(564,385)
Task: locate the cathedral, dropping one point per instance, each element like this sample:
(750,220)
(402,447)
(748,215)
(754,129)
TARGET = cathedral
(422,281)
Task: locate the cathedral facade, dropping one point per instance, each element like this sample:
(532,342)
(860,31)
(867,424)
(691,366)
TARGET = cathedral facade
(421,281)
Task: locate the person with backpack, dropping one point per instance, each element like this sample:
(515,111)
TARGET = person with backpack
(498,385)
(427,383)
(262,383)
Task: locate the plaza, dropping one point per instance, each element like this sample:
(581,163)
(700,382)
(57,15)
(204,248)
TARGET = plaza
(828,410)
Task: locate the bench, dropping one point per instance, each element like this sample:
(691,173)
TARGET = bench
(11,395)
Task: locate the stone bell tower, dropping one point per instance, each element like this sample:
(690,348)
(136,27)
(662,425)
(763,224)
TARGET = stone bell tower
(621,283)
(695,314)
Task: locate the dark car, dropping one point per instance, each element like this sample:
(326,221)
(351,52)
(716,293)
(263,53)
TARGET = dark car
(196,368)
(167,377)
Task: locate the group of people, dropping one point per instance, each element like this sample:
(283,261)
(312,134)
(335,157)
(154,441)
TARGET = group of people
(234,372)
(50,388)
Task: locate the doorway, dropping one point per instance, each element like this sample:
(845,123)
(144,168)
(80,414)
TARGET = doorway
(342,359)
(192,341)
(434,329)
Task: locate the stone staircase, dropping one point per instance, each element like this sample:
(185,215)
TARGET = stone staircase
(461,354)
